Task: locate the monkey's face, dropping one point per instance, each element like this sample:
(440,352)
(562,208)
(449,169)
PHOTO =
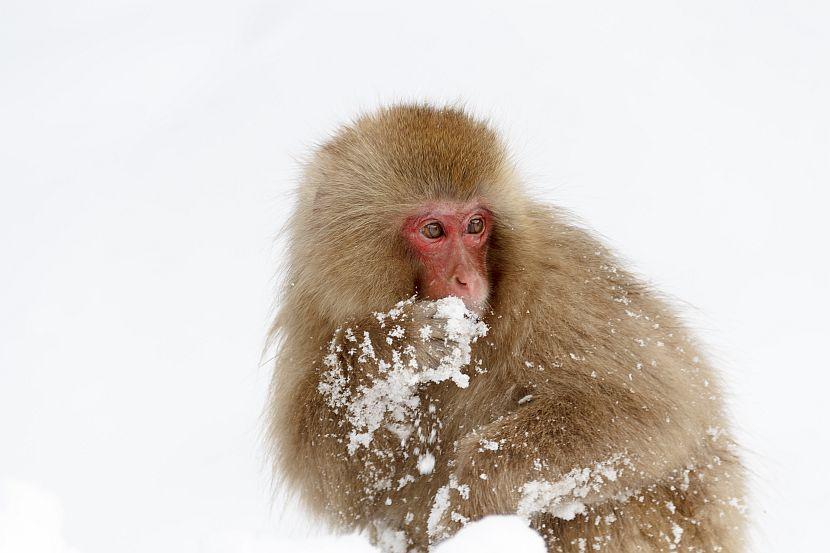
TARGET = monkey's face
(449,241)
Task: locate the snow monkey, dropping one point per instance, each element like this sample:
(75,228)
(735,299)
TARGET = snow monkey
(449,347)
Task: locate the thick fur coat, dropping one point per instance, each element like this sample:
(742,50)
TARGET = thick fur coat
(590,409)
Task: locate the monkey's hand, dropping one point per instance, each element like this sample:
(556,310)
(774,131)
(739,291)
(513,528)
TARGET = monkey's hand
(375,369)
(424,341)
(444,331)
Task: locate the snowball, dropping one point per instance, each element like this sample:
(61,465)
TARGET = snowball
(390,540)
(494,534)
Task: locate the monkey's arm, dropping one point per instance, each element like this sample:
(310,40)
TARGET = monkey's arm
(362,422)
(331,429)
(564,451)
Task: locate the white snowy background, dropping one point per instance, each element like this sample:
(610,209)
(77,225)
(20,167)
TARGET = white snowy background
(146,154)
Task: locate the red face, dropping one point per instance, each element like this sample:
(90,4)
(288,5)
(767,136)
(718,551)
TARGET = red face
(450,241)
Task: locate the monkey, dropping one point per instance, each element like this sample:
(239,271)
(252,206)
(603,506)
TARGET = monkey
(448,347)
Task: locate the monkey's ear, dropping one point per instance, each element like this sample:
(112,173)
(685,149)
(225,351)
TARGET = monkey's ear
(316,184)
(316,197)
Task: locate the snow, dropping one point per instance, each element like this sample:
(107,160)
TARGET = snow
(391,540)
(392,400)
(442,503)
(146,155)
(677,532)
(563,497)
(426,463)
(494,534)
(490,445)
(31,519)
(461,327)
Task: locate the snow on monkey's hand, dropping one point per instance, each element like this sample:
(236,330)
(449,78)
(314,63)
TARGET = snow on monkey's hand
(445,331)
(374,372)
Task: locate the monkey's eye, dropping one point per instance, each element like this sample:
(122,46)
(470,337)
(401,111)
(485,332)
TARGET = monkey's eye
(433,231)
(475,226)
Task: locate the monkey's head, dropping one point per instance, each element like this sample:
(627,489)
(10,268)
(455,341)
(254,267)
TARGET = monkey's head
(408,200)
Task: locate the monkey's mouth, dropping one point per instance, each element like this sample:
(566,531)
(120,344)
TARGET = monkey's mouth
(478,307)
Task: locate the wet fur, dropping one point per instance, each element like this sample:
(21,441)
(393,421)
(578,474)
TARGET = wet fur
(568,326)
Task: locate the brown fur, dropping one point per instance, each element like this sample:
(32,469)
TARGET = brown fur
(610,368)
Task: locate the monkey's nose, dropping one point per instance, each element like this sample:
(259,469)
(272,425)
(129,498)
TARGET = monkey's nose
(467,286)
